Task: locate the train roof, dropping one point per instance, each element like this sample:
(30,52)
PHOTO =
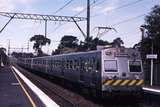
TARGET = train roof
(73,53)
(128,51)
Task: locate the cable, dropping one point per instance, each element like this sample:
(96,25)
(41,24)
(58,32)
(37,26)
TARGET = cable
(128,33)
(101,2)
(94,2)
(120,7)
(63,6)
(74,16)
(121,22)
(127,20)
(126,5)
(86,8)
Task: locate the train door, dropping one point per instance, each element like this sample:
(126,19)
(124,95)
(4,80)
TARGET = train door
(82,70)
(123,67)
(62,63)
(93,70)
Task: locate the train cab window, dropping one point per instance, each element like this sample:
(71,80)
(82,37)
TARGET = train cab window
(110,66)
(135,66)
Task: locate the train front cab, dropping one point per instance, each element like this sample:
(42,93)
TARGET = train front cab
(121,75)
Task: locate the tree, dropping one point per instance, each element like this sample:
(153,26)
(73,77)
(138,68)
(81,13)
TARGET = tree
(117,42)
(92,43)
(39,41)
(67,44)
(152,27)
(69,41)
(3,56)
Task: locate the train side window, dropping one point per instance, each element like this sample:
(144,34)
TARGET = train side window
(64,64)
(97,65)
(87,65)
(71,64)
(67,64)
(90,64)
(110,66)
(54,64)
(75,64)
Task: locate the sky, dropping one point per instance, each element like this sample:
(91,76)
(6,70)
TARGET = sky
(126,16)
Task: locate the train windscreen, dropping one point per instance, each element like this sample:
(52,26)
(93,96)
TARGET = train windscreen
(135,66)
(110,66)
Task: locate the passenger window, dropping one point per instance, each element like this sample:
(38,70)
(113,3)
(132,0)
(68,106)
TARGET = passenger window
(97,65)
(74,64)
(110,66)
(67,64)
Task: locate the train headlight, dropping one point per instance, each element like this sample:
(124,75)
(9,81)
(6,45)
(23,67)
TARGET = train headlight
(112,77)
(137,77)
(108,53)
(124,74)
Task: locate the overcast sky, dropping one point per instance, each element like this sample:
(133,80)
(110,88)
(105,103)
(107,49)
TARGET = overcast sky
(126,16)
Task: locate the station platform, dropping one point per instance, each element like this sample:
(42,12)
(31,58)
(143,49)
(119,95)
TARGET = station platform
(152,89)
(15,92)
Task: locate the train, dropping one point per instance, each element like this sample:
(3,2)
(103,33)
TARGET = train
(101,72)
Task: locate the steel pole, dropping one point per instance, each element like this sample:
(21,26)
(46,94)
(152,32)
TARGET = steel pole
(45,28)
(88,19)
(151,72)
(152,66)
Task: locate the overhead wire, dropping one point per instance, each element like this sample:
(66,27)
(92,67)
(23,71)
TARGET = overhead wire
(123,6)
(124,21)
(61,8)
(120,7)
(74,16)
(127,20)
(128,4)
(95,3)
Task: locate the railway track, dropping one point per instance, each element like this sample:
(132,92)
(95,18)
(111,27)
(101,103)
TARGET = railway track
(67,98)
(62,96)
(49,91)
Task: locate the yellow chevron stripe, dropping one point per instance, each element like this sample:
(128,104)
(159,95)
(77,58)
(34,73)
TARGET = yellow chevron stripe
(108,82)
(103,82)
(116,82)
(140,82)
(132,83)
(125,82)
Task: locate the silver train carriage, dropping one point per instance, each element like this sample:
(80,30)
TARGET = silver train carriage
(112,70)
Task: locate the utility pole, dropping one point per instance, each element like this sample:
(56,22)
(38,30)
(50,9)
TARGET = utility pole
(152,56)
(8,47)
(45,28)
(28,46)
(152,64)
(88,20)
